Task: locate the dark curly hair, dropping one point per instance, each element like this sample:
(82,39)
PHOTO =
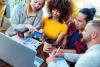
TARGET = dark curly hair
(65,8)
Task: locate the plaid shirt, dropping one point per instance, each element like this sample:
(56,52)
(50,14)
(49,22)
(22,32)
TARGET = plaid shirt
(73,40)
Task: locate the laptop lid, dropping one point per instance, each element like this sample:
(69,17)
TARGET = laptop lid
(15,53)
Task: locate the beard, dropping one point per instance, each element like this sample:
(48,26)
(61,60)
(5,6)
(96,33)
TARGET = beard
(86,39)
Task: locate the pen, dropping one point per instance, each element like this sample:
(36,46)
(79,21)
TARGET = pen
(53,54)
(57,51)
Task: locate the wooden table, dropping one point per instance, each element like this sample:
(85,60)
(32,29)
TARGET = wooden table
(42,55)
(2,29)
(4,64)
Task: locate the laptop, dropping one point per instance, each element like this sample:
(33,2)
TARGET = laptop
(15,53)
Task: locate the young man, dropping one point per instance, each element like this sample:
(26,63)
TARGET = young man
(91,35)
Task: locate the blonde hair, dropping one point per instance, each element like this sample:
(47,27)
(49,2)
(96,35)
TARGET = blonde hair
(28,6)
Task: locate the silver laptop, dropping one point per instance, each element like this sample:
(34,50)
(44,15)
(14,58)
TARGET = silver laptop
(15,53)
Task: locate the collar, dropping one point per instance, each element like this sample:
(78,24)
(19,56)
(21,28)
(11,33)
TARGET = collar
(31,14)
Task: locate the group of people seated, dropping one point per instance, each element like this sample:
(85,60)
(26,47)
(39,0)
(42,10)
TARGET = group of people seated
(75,40)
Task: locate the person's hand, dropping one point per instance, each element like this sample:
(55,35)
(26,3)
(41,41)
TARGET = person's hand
(58,53)
(50,49)
(50,59)
(30,27)
(41,30)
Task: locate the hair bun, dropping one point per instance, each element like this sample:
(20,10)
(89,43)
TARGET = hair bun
(93,11)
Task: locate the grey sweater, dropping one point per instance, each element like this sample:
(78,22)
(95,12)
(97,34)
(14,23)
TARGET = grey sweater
(19,19)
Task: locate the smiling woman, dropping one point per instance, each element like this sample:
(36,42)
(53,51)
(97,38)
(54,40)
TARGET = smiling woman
(26,16)
(54,26)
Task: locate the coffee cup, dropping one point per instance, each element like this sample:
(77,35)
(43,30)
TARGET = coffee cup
(46,46)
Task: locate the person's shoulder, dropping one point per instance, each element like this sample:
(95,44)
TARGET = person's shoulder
(90,56)
(89,59)
(40,12)
(64,24)
(45,18)
(20,6)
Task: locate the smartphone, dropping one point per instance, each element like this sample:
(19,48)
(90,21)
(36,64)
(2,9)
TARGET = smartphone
(37,34)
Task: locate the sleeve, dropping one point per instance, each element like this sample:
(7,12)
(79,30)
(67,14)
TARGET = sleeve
(16,16)
(38,19)
(71,57)
(80,47)
(88,60)
(52,64)
(43,21)
(61,62)
(64,29)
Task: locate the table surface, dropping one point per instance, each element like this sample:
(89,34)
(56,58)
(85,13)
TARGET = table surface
(42,55)
(4,64)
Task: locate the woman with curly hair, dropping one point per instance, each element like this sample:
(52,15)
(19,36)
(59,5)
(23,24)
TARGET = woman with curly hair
(54,26)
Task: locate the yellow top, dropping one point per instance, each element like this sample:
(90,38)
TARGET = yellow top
(53,28)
